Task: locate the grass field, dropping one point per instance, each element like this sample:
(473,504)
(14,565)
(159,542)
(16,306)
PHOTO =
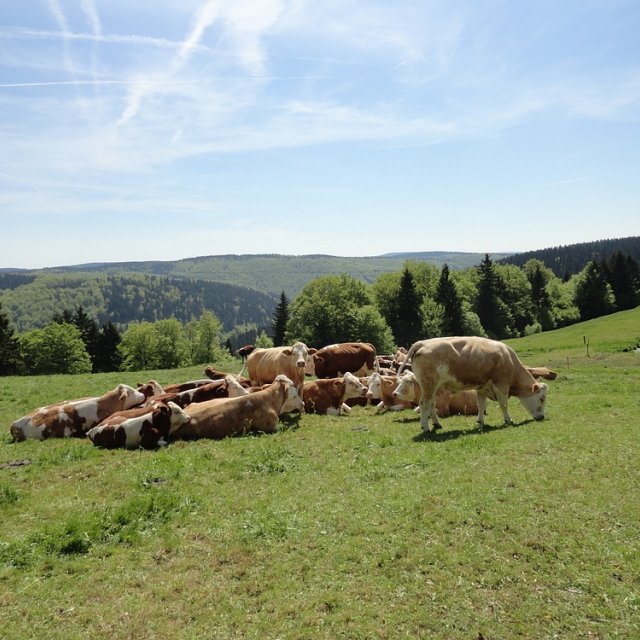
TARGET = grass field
(339,527)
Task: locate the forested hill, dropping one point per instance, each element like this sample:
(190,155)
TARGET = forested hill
(122,298)
(273,273)
(570,259)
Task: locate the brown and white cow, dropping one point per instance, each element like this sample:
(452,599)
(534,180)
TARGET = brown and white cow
(74,417)
(335,360)
(264,365)
(381,388)
(214,374)
(329,395)
(258,411)
(490,367)
(147,427)
(179,387)
(151,388)
(229,387)
(448,403)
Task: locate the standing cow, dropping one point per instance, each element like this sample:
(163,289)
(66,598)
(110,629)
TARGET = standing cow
(490,367)
(264,365)
(335,360)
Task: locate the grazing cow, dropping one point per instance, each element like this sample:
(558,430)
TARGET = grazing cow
(329,395)
(227,388)
(336,359)
(243,352)
(258,411)
(74,417)
(448,403)
(490,367)
(264,365)
(148,427)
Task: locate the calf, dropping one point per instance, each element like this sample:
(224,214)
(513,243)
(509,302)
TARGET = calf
(258,411)
(330,394)
(74,417)
(149,427)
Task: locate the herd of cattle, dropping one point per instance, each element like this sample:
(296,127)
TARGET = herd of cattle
(438,377)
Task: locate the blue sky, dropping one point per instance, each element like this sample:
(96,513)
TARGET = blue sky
(166,129)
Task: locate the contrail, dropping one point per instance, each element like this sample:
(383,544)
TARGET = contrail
(206,15)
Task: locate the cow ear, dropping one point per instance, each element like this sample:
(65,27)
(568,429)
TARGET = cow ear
(536,388)
(311,351)
(338,382)
(287,351)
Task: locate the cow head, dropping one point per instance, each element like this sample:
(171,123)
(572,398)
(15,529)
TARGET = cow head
(299,351)
(535,401)
(151,388)
(374,387)
(292,399)
(129,396)
(406,385)
(234,388)
(177,417)
(353,388)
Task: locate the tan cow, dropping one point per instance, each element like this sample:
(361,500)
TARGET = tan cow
(258,411)
(148,427)
(448,403)
(74,417)
(490,367)
(264,365)
(329,395)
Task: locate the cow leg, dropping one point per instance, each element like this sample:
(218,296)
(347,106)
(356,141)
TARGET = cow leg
(502,401)
(345,408)
(428,411)
(482,409)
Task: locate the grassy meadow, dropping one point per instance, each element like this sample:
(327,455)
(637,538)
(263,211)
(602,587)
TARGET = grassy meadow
(338,527)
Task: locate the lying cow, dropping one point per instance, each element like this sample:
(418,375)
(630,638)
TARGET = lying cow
(381,388)
(151,388)
(74,417)
(337,359)
(490,367)
(258,411)
(148,427)
(214,374)
(542,372)
(264,365)
(448,403)
(179,387)
(229,387)
(329,395)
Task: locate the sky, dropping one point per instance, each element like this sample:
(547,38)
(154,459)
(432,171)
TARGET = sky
(169,129)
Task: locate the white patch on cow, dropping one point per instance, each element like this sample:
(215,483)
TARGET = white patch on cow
(332,411)
(235,389)
(177,418)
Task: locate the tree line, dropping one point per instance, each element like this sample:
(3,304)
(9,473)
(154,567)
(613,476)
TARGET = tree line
(420,301)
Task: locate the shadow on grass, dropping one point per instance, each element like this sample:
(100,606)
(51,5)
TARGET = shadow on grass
(443,436)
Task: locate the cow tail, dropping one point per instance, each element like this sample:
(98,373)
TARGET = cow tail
(408,357)
(244,366)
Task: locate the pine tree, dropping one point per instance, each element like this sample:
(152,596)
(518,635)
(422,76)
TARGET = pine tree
(280,321)
(407,324)
(541,300)
(624,277)
(493,313)
(106,356)
(593,297)
(9,347)
(447,297)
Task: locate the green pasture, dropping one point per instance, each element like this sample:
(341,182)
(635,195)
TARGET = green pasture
(352,527)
